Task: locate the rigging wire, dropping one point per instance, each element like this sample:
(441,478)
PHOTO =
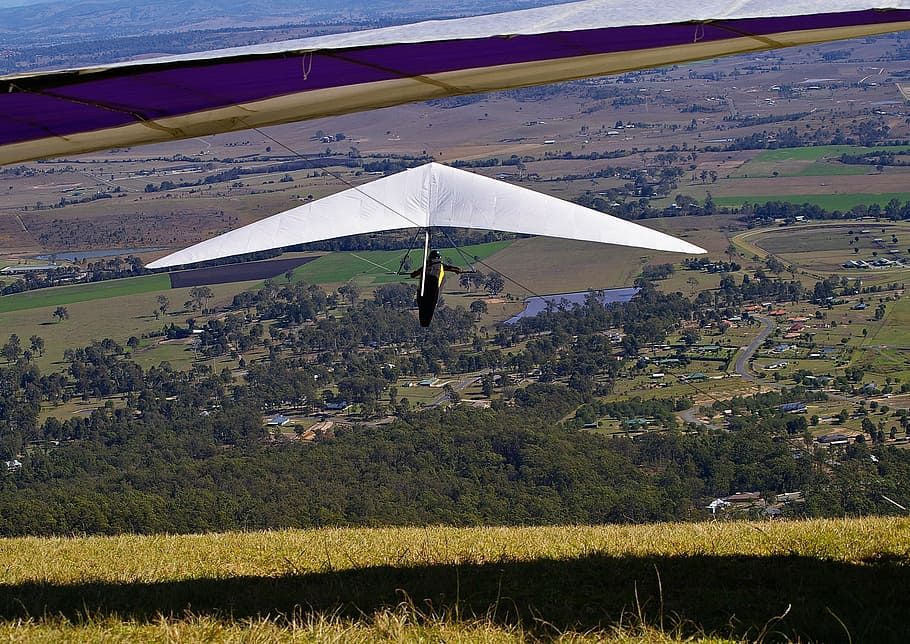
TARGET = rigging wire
(339,178)
(364,259)
(445,234)
(404,259)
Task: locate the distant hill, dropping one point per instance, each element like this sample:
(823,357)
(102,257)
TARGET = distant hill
(57,22)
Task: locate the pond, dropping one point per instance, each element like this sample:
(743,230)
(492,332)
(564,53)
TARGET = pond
(537,304)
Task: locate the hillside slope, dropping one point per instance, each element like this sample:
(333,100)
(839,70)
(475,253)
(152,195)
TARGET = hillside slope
(816,580)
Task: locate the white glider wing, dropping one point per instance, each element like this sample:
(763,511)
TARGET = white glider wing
(426,196)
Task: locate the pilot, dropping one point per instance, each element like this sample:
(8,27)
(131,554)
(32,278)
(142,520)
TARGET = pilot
(432,287)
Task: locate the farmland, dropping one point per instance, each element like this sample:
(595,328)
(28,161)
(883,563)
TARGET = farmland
(44,298)
(173,195)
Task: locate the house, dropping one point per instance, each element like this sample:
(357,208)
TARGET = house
(278,421)
(694,377)
(339,405)
(715,505)
(833,439)
(21,269)
(428,382)
(794,408)
(13,465)
(743,497)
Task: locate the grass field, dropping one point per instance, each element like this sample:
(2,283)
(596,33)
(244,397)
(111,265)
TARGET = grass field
(841,202)
(894,331)
(820,249)
(63,295)
(825,169)
(838,580)
(814,153)
(373,267)
(114,317)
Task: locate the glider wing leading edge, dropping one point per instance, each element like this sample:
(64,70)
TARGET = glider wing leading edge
(428,196)
(48,114)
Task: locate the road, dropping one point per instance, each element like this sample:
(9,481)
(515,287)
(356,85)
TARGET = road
(742,362)
(741,367)
(465,382)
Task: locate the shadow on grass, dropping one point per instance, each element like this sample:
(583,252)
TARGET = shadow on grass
(731,595)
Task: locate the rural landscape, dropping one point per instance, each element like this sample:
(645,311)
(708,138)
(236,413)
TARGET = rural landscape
(590,442)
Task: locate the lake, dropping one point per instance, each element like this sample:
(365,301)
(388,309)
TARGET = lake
(538,304)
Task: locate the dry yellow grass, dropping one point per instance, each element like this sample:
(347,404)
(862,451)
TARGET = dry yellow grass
(650,583)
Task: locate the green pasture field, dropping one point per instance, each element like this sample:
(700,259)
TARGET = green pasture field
(116,318)
(895,331)
(798,168)
(826,169)
(366,267)
(64,295)
(884,362)
(812,153)
(703,391)
(839,202)
(78,407)
(805,581)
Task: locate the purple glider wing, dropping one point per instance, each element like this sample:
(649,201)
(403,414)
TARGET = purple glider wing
(49,114)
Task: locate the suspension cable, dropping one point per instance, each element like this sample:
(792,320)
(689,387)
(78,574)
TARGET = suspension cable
(445,234)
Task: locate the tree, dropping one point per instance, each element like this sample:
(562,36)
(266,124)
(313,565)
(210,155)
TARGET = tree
(163,303)
(11,349)
(495,283)
(61,313)
(199,297)
(37,344)
(350,291)
(478,308)
(453,395)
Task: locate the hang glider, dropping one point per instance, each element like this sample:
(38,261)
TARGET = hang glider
(429,196)
(48,114)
